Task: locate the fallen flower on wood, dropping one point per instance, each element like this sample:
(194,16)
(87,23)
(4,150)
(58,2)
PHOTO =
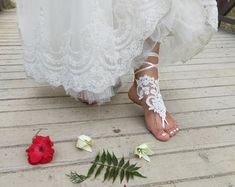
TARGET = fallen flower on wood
(41,150)
(84,142)
(144,150)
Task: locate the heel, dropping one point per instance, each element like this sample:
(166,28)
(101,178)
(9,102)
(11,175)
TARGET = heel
(133,96)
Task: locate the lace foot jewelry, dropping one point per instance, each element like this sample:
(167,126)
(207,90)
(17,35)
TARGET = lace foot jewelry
(148,87)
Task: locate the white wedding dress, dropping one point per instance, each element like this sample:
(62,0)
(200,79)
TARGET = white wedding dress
(86,45)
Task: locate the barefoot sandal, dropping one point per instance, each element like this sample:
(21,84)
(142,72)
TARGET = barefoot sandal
(149,87)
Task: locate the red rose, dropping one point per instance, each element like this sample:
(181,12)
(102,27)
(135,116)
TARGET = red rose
(41,150)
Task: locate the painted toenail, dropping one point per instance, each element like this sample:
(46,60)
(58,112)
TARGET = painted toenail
(177,129)
(171,132)
(164,134)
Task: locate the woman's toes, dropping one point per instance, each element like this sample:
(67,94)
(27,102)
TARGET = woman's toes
(172,133)
(162,135)
(87,102)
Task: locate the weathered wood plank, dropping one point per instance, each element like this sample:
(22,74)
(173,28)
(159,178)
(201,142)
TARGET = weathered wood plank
(166,84)
(64,115)
(8,37)
(225,180)
(226,45)
(43,92)
(203,139)
(212,55)
(210,61)
(11,62)
(69,131)
(13,76)
(11,50)
(206,163)
(13,68)
(197,103)
(10,44)
(223,39)
(218,50)
(220,43)
(197,67)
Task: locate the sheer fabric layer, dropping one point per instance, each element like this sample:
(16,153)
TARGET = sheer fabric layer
(87,45)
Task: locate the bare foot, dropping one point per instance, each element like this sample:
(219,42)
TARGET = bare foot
(87,102)
(153,120)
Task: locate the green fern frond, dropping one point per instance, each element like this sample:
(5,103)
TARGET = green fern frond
(112,166)
(76,178)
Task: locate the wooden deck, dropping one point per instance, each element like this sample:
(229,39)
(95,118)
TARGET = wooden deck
(200,94)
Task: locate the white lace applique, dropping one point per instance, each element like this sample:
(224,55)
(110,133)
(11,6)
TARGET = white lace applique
(149,87)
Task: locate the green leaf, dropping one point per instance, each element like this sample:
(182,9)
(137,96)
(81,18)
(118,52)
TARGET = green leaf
(126,165)
(92,169)
(109,158)
(122,161)
(115,160)
(116,171)
(99,170)
(136,173)
(136,168)
(76,178)
(111,173)
(127,176)
(97,158)
(131,167)
(131,175)
(122,175)
(107,173)
(103,157)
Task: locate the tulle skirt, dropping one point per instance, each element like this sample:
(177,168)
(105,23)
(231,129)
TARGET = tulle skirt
(87,45)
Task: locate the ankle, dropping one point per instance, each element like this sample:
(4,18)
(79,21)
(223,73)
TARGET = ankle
(150,72)
(151,61)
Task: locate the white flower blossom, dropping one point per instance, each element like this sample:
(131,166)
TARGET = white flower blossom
(84,142)
(144,150)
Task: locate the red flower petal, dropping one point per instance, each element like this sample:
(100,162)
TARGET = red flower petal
(41,151)
(42,140)
(48,155)
(34,155)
